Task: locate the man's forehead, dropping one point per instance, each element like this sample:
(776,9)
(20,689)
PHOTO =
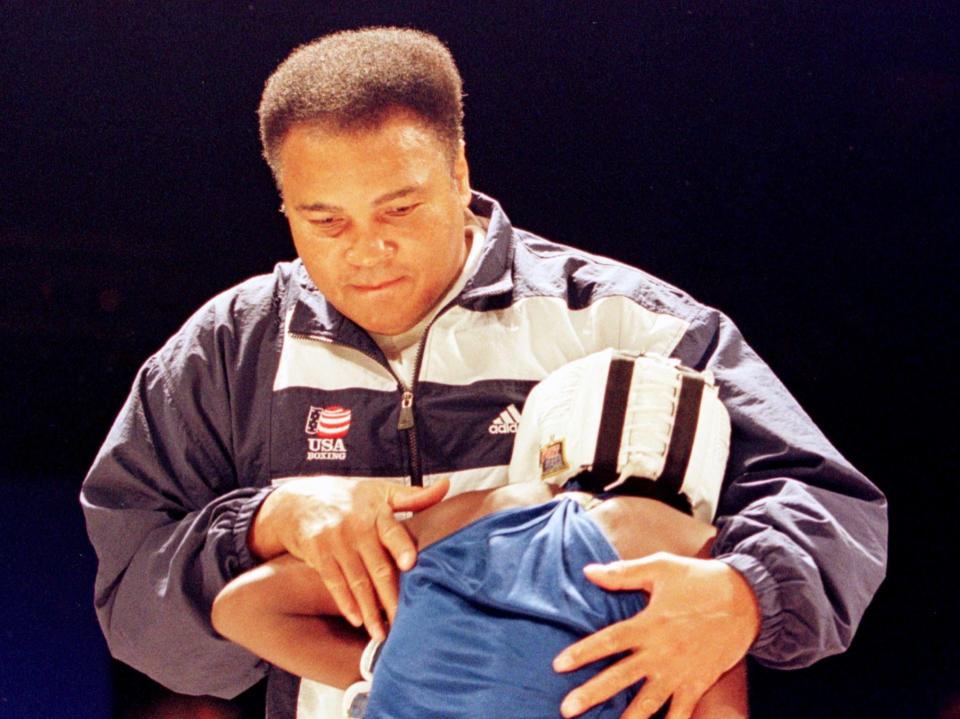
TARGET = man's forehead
(321,206)
(406,125)
(397,157)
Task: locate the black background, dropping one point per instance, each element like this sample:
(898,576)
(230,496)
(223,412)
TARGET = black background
(794,164)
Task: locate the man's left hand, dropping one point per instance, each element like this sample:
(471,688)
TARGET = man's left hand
(701,619)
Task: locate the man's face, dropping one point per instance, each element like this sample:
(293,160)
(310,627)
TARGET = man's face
(377,216)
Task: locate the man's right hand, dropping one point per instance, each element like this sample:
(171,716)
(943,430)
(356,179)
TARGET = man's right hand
(346,531)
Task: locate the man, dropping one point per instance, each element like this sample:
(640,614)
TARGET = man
(396,349)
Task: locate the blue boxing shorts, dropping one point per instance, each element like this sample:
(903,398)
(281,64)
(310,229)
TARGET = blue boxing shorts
(486,609)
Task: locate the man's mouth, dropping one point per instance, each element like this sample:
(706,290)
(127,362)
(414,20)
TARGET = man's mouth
(374,286)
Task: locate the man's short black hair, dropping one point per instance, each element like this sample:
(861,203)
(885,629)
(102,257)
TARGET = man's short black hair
(353,79)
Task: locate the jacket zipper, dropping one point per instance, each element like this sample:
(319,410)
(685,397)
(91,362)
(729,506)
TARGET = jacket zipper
(407,421)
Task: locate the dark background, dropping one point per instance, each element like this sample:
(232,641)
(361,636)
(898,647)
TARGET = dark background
(795,165)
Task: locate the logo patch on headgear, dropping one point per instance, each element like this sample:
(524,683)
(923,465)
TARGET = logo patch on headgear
(327,426)
(552,459)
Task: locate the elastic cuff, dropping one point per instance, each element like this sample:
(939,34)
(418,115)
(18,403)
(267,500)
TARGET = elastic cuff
(241,528)
(766,591)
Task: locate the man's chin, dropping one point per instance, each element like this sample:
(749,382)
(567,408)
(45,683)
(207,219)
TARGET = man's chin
(385,326)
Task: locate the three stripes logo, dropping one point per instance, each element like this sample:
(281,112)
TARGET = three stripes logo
(506,422)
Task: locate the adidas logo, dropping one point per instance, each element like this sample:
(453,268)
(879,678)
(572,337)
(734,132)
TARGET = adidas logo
(506,422)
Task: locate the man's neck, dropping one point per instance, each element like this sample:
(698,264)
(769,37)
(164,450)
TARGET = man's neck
(400,349)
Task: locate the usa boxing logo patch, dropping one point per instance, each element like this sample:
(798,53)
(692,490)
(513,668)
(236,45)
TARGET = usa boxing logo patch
(326,428)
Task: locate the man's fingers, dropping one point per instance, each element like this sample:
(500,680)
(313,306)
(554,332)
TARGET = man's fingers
(648,701)
(413,499)
(361,587)
(383,572)
(611,640)
(336,584)
(683,705)
(631,574)
(601,687)
(395,537)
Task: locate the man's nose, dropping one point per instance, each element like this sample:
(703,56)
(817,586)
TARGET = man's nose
(369,249)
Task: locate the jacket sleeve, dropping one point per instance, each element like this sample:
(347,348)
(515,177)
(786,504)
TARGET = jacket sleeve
(167,511)
(806,529)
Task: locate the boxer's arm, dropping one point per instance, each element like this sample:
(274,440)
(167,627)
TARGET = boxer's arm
(283,612)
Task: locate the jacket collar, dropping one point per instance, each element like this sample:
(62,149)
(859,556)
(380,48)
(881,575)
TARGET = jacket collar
(494,275)
(313,316)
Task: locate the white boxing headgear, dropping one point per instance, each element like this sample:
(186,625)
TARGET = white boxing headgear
(633,424)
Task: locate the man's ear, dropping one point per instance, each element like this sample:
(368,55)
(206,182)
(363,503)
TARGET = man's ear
(461,174)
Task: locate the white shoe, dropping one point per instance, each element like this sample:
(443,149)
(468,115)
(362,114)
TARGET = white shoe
(357,695)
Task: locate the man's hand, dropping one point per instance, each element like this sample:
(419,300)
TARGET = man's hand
(701,619)
(346,531)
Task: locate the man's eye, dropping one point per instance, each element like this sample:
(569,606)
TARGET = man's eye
(327,224)
(402,210)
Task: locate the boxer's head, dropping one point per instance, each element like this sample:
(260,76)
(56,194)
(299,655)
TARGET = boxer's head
(631,424)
